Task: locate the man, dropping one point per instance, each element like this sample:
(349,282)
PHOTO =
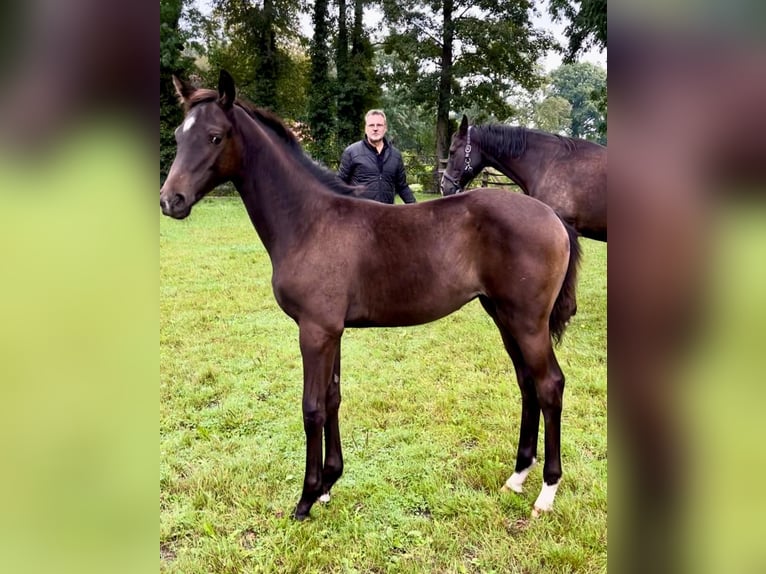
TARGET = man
(375,164)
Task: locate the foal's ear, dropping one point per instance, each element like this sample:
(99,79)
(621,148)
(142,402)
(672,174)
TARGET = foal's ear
(184,89)
(226,92)
(463,125)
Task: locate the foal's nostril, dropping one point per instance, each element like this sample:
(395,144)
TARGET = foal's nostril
(175,201)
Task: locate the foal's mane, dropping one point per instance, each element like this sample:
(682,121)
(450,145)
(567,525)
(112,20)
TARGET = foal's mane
(270,121)
(498,139)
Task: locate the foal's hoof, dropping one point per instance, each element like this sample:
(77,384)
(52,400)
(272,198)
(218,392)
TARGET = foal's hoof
(325,498)
(300,517)
(302,512)
(512,485)
(544,502)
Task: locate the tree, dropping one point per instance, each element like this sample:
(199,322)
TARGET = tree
(580,84)
(255,42)
(459,54)
(346,128)
(321,104)
(358,84)
(267,70)
(586,29)
(587,24)
(172,61)
(553,115)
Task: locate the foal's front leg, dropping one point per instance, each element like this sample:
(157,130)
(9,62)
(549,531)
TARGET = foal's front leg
(333,455)
(319,349)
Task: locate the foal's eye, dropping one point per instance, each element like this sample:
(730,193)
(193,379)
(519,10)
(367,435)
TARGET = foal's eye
(215,140)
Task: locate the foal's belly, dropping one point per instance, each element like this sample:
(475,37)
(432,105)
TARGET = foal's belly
(406,311)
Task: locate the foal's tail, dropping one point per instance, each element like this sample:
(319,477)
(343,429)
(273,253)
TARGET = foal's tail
(566,302)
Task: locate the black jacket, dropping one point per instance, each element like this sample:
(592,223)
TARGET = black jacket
(382,174)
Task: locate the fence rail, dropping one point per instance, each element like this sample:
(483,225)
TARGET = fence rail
(488,178)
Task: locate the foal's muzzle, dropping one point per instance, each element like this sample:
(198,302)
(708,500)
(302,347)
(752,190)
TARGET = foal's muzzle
(174,205)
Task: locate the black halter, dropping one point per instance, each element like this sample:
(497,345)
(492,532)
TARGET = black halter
(467,168)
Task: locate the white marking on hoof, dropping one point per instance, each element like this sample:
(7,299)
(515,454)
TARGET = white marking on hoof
(516,482)
(544,502)
(189,123)
(325,498)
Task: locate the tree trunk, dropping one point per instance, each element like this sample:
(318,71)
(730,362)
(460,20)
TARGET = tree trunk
(321,105)
(347,129)
(267,73)
(445,85)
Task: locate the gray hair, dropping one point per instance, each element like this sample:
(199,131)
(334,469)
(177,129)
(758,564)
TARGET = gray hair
(376,113)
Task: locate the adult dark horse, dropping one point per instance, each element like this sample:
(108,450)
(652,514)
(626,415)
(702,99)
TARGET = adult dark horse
(336,264)
(567,174)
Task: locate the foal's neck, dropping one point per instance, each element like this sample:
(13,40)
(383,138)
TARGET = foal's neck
(278,192)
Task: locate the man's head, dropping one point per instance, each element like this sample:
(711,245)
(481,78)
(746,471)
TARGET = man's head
(375,126)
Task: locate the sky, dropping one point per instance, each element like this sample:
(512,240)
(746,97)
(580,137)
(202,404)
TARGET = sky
(543,21)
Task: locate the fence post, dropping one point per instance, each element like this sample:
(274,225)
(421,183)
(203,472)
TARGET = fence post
(441,165)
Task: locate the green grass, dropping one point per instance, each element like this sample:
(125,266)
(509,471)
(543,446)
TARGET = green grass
(429,421)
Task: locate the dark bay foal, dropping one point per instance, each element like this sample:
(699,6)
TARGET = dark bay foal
(336,264)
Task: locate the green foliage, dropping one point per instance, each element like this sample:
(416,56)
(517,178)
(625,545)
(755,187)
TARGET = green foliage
(267,70)
(553,115)
(500,51)
(453,56)
(259,44)
(358,83)
(347,128)
(338,102)
(580,84)
(173,60)
(587,24)
(321,104)
(329,82)
(586,29)
(599,96)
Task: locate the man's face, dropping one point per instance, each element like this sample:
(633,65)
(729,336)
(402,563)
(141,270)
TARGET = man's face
(375,128)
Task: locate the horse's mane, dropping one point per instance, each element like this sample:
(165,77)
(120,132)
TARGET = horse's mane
(499,139)
(271,121)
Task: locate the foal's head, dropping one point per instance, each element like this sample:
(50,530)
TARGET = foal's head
(464,161)
(208,152)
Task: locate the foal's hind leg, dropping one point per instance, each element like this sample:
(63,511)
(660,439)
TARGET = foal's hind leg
(333,455)
(537,352)
(526,455)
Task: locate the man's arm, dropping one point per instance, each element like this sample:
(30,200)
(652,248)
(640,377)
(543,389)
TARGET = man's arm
(345,170)
(402,188)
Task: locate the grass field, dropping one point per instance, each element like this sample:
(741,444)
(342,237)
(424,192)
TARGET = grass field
(429,421)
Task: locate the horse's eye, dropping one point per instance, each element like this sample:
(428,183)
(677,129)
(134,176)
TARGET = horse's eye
(215,140)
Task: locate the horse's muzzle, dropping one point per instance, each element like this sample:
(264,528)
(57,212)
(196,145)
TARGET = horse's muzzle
(174,205)
(454,185)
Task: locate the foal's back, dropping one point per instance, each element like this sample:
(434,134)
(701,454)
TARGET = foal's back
(382,265)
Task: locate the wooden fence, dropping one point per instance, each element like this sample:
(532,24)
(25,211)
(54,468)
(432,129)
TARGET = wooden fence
(487,178)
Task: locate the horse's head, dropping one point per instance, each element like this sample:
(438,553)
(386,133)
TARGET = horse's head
(208,150)
(464,161)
